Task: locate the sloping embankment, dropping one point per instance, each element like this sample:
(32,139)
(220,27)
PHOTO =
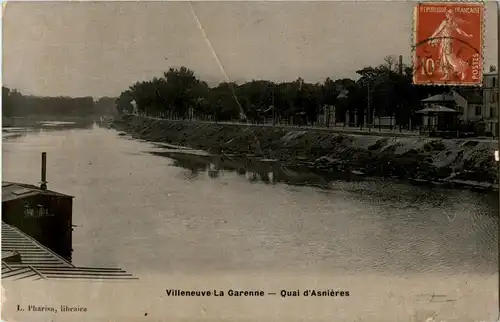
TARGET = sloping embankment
(324,150)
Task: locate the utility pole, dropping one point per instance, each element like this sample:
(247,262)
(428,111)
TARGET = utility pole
(401,74)
(274,109)
(327,115)
(369,112)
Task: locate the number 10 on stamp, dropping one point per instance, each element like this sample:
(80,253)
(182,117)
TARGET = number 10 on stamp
(448,44)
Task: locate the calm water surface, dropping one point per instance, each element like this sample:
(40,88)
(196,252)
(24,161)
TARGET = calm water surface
(155,214)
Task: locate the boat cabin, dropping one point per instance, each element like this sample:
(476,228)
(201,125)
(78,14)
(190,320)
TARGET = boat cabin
(43,214)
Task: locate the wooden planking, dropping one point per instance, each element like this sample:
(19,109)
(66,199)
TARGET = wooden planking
(39,262)
(32,252)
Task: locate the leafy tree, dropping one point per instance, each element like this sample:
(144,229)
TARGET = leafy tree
(17,104)
(124,102)
(223,105)
(180,90)
(382,89)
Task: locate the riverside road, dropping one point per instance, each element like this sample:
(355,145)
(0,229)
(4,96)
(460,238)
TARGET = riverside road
(375,131)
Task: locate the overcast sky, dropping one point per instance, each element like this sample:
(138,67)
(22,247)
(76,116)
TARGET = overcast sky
(99,48)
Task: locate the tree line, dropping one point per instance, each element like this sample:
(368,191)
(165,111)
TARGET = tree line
(385,90)
(16,104)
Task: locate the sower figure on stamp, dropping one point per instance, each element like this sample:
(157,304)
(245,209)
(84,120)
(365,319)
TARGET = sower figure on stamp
(450,63)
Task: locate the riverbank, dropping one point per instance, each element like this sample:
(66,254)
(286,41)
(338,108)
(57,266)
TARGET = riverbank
(462,162)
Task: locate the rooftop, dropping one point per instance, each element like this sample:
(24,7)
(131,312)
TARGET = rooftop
(436,109)
(471,96)
(444,97)
(451,96)
(24,258)
(16,190)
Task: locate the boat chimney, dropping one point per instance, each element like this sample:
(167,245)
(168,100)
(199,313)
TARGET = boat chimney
(43,183)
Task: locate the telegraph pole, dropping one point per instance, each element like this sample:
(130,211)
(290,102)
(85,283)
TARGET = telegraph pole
(274,108)
(369,112)
(400,70)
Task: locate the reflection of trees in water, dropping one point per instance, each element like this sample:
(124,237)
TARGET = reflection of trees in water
(274,172)
(260,177)
(270,176)
(253,171)
(253,176)
(192,165)
(213,171)
(301,177)
(191,174)
(7,136)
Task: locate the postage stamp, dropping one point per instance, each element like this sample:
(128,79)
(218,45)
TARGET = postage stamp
(448,43)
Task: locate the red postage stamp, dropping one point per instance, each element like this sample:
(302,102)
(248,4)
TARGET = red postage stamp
(448,44)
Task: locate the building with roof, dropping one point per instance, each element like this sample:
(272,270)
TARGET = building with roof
(471,105)
(439,118)
(490,102)
(43,214)
(468,104)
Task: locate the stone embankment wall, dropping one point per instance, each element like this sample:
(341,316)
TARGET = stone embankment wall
(326,150)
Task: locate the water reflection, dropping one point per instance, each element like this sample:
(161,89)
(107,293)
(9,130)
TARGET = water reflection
(255,171)
(41,128)
(213,171)
(273,172)
(204,212)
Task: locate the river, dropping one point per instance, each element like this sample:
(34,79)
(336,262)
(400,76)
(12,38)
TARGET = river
(156,210)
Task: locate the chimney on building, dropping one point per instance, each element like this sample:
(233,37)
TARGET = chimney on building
(400,64)
(493,68)
(43,183)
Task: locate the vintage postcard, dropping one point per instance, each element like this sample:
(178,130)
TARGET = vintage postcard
(250,161)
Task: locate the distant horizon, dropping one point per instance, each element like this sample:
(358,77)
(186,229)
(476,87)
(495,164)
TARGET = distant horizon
(99,49)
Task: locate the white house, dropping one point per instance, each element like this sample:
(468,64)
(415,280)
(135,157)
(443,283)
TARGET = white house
(490,101)
(468,104)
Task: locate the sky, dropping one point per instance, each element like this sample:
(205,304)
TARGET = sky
(101,48)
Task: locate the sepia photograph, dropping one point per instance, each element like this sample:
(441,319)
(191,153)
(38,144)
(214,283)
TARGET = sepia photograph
(250,160)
